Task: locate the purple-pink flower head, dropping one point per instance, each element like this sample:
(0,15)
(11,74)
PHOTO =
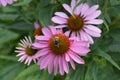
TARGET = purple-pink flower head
(82,22)
(5,2)
(25,51)
(56,50)
(38,29)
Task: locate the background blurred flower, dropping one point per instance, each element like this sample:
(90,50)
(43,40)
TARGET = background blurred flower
(38,29)
(82,22)
(5,2)
(25,51)
(56,50)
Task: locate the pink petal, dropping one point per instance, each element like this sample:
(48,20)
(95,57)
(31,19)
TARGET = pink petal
(93,28)
(73,3)
(67,33)
(85,7)
(20,48)
(53,30)
(95,21)
(78,9)
(94,34)
(20,54)
(85,37)
(36,25)
(61,66)
(9,1)
(67,57)
(41,52)
(67,8)
(80,43)
(44,63)
(41,38)
(46,32)
(81,50)
(72,64)
(59,20)
(65,65)
(3,2)
(22,58)
(60,26)
(73,34)
(50,64)
(29,61)
(61,14)
(91,10)
(94,15)
(56,61)
(40,45)
(26,61)
(76,58)
(90,39)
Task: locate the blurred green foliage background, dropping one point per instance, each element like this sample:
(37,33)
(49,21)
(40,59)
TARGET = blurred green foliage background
(16,21)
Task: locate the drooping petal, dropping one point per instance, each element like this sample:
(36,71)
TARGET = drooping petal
(45,61)
(67,57)
(93,28)
(81,50)
(61,66)
(85,37)
(72,64)
(92,33)
(56,62)
(42,38)
(37,45)
(65,65)
(50,64)
(41,52)
(76,58)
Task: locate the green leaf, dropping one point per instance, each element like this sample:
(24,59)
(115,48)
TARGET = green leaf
(103,54)
(10,71)
(8,17)
(6,36)
(22,3)
(33,72)
(77,74)
(10,58)
(45,13)
(91,72)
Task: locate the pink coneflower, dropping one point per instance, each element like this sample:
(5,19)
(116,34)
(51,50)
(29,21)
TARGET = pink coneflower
(26,52)
(38,29)
(56,50)
(5,2)
(82,22)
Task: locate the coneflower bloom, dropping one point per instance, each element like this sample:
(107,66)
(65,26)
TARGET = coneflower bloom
(82,21)
(25,51)
(38,29)
(5,2)
(57,50)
